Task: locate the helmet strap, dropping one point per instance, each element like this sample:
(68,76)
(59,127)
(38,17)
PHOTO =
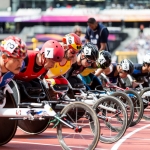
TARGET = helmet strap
(43,60)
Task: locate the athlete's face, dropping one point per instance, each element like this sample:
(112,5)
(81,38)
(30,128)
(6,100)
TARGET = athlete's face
(85,61)
(49,63)
(122,73)
(13,64)
(70,54)
(147,67)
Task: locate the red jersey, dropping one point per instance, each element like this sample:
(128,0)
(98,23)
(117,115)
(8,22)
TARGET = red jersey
(29,72)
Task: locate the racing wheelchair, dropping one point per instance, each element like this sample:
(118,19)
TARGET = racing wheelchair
(34,113)
(110,111)
(117,112)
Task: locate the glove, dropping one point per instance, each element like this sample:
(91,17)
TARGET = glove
(2,96)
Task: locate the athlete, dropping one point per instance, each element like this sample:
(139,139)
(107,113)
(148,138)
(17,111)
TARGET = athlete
(72,45)
(12,53)
(38,63)
(117,71)
(141,71)
(87,76)
(85,58)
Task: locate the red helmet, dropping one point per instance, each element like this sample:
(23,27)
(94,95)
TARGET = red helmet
(72,41)
(14,47)
(54,50)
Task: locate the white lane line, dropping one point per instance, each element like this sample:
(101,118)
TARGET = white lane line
(117,144)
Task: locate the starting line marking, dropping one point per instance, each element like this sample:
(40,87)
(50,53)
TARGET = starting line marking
(117,144)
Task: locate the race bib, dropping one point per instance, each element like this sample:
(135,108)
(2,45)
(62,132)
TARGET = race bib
(70,40)
(10,45)
(94,41)
(49,52)
(101,59)
(125,65)
(87,51)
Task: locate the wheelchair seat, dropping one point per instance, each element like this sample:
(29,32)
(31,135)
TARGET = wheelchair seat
(60,87)
(33,89)
(78,85)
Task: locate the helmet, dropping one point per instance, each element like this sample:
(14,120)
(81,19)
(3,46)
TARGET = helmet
(53,49)
(90,51)
(104,59)
(127,66)
(147,58)
(14,47)
(72,41)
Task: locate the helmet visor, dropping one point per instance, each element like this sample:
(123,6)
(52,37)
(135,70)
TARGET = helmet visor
(76,47)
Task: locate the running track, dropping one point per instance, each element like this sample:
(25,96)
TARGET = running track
(136,138)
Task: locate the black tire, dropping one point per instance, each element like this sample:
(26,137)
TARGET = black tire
(88,117)
(8,127)
(113,124)
(138,106)
(127,103)
(31,127)
(146,103)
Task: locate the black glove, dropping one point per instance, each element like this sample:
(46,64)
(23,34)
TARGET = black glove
(2,96)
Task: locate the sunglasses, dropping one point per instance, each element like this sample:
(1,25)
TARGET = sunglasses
(89,61)
(76,47)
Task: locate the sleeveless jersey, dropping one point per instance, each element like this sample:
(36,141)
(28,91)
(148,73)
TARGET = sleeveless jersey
(112,76)
(29,74)
(58,70)
(87,71)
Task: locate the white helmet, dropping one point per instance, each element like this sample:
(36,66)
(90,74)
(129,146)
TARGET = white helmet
(127,65)
(147,58)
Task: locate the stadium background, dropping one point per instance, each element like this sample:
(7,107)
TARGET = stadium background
(36,21)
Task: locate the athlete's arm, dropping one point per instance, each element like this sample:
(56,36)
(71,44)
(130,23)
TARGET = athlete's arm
(98,72)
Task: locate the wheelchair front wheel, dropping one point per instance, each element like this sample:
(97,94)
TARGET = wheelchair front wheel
(113,117)
(82,135)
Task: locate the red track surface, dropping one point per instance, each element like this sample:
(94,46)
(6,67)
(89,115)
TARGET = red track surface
(136,138)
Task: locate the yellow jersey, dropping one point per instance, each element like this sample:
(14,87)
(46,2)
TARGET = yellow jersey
(58,69)
(87,71)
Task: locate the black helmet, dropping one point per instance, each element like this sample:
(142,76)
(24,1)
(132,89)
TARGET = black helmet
(90,51)
(104,59)
(127,66)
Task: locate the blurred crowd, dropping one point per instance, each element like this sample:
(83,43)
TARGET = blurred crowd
(141,44)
